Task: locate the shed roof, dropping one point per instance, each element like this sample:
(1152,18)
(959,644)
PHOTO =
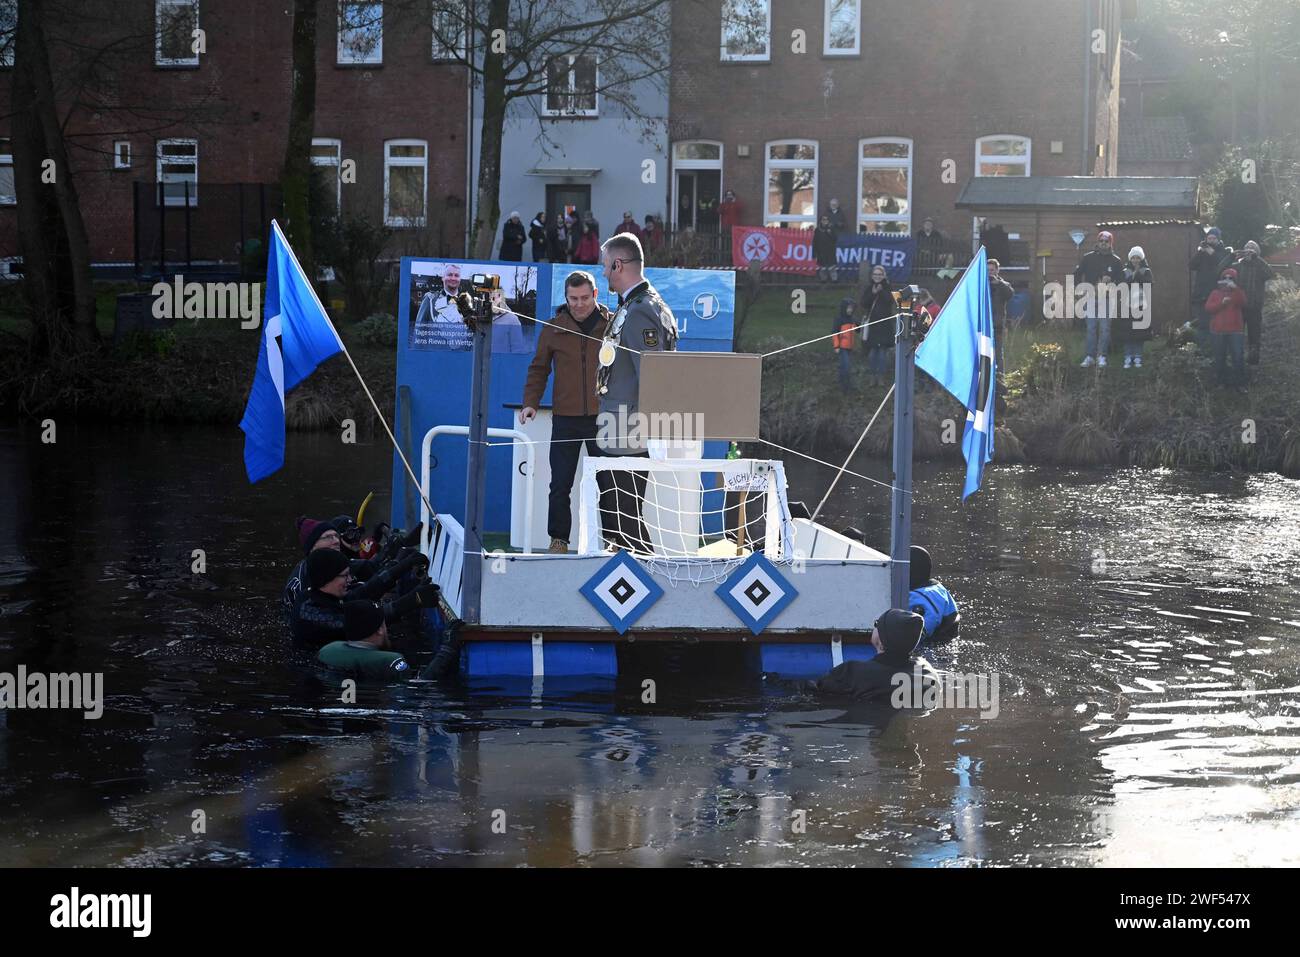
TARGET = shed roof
(1146,192)
(1154,139)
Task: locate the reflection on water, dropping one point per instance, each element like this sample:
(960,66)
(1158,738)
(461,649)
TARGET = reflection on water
(1144,627)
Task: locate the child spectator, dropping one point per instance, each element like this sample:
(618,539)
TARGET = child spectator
(1227,329)
(1136,330)
(845,333)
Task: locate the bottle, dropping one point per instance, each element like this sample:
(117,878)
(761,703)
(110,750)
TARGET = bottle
(733,452)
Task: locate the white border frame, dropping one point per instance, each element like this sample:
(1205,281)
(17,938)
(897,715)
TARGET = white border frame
(337,164)
(886,163)
(401,222)
(765,57)
(792,220)
(696,164)
(7,159)
(1006,160)
(338,39)
(562,114)
(827,50)
(158,58)
(117,154)
(162,197)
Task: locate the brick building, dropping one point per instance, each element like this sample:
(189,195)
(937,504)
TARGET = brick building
(157,112)
(890,106)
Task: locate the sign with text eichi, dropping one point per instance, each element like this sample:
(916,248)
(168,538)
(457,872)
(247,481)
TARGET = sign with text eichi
(434,362)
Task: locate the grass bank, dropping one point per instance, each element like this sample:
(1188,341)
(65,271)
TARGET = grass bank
(1168,413)
(195,371)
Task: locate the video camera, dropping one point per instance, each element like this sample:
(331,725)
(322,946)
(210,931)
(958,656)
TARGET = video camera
(475,304)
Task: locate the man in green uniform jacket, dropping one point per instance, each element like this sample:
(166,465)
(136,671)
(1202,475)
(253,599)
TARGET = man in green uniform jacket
(366,652)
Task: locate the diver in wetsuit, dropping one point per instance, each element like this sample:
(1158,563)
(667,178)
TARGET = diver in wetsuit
(365,651)
(314,534)
(895,635)
(318,618)
(931,600)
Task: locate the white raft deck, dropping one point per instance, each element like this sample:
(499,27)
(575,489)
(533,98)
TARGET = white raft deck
(841,585)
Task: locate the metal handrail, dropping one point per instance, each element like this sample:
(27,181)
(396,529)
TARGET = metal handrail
(426,447)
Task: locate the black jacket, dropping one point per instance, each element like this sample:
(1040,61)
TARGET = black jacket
(512,241)
(824,246)
(1206,266)
(537,234)
(876,680)
(878,305)
(1000,292)
(318,619)
(1099,263)
(1139,282)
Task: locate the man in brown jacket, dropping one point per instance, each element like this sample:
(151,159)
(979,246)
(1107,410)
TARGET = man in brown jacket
(569,344)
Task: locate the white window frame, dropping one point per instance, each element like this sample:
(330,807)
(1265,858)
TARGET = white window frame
(981,158)
(438,52)
(827,49)
(158,58)
(163,198)
(9,24)
(377,57)
(765,56)
(573,74)
(7,160)
(120,161)
(336,162)
(706,164)
(390,162)
(886,163)
(791,220)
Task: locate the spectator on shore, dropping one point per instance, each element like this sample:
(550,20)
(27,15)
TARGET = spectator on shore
(575,226)
(929,244)
(824,249)
(628,225)
(589,219)
(652,234)
(1136,329)
(1098,265)
(845,333)
(1227,327)
(537,234)
(877,307)
(557,239)
(836,216)
(729,212)
(588,252)
(1206,265)
(1254,274)
(512,239)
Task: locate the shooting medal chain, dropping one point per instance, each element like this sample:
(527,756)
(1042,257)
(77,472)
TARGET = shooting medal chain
(609,347)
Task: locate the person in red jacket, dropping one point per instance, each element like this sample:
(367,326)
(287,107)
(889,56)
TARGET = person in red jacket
(729,211)
(1227,327)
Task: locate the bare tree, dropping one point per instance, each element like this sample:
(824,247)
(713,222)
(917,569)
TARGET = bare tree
(511,48)
(297,171)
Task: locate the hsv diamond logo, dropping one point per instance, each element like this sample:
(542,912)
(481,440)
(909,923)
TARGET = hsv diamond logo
(756,592)
(757,246)
(622,591)
(706,305)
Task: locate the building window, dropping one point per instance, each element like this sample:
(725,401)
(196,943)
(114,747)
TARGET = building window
(791,175)
(405,182)
(1002,155)
(8,24)
(746,30)
(326,160)
(361,33)
(571,85)
(842,30)
(448,30)
(178,172)
(885,185)
(8,196)
(174,24)
(697,184)
(122,154)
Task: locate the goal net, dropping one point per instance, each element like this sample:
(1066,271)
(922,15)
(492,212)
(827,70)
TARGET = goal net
(692,519)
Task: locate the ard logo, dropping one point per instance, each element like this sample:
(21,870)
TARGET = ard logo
(706,305)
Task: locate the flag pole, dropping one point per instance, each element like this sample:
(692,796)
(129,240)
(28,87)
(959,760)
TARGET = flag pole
(900,527)
(373,404)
